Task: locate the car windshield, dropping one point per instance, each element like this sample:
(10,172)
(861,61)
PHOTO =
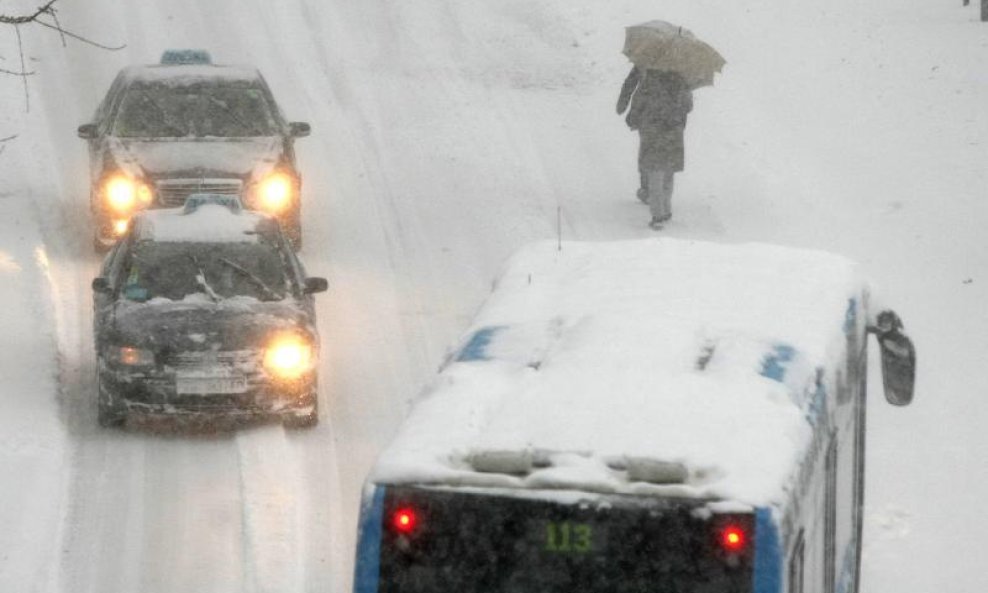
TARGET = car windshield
(231,109)
(217,270)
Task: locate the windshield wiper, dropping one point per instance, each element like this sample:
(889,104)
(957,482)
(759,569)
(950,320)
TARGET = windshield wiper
(272,295)
(168,125)
(201,280)
(246,125)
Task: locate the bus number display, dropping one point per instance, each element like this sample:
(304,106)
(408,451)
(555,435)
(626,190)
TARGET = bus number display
(568,538)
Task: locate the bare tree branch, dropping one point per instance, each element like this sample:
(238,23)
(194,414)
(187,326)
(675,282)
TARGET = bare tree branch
(20,50)
(46,10)
(12,73)
(49,10)
(20,20)
(3,142)
(58,25)
(16,22)
(78,37)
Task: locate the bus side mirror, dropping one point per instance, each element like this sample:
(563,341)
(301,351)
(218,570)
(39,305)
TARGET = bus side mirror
(898,358)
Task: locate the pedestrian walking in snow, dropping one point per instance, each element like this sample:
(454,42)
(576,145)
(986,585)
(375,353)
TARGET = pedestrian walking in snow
(660,103)
(669,63)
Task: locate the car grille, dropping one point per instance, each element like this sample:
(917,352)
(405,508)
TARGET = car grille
(172,192)
(241,360)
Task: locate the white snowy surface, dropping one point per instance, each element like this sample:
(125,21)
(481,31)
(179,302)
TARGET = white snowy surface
(34,466)
(241,156)
(589,351)
(446,135)
(208,223)
(178,75)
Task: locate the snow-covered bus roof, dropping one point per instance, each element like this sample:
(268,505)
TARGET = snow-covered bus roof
(615,367)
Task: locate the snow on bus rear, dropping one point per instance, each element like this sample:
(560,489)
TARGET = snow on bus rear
(600,354)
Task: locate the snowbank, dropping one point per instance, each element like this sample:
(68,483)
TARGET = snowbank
(33,463)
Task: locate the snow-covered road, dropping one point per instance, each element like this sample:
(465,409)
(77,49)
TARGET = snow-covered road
(445,135)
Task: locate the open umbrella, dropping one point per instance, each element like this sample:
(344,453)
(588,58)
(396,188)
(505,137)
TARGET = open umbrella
(658,45)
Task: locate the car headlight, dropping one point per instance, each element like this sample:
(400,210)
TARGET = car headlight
(131,356)
(288,357)
(275,192)
(124,194)
(120,226)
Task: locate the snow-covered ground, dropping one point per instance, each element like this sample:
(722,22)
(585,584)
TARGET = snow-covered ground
(446,135)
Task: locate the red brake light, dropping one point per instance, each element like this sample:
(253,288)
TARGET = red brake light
(733,538)
(404,521)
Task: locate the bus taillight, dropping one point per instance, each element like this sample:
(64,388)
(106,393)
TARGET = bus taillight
(733,538)
(404,520)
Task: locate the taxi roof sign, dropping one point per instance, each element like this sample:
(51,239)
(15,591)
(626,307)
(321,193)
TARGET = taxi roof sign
(194,201)
(182,57)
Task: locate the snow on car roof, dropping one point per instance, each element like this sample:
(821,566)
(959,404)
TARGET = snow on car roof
(186,73)
(209,223)
(600,363)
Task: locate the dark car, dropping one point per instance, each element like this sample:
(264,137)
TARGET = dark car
(184,126)
(205,310)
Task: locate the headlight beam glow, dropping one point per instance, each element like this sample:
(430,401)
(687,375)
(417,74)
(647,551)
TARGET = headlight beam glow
(288,358)
(124,194)
(276,192)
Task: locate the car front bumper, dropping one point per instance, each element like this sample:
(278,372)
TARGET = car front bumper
(152,393)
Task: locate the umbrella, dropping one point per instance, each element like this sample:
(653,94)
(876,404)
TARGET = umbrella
(658,45)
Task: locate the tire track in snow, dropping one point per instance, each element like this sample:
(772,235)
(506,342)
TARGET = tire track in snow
(325,512)
(270,488)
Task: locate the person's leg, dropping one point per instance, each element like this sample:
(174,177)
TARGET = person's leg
(643,147)
(655,186)
(667,187)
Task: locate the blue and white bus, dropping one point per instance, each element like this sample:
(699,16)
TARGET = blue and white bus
(637,416)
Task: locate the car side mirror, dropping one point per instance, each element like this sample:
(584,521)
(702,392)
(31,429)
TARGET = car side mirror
(898,359)
(87,131)
(299,129)
(102,285)
(314,285)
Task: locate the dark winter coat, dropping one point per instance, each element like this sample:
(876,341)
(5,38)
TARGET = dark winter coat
(660,102)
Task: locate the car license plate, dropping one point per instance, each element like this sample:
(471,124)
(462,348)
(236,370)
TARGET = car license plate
(201,385)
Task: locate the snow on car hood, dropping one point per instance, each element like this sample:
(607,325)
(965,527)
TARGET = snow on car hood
(195,324)
(197,157)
